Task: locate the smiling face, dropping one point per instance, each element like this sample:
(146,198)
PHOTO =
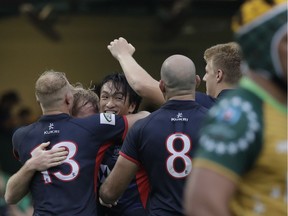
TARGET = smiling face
(113,100)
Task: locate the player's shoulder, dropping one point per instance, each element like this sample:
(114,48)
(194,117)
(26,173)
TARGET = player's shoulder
(99,118)
(239,102)
(24,129)
(201,109)
(205,100)
(235,118)
(242,98)
(142,123)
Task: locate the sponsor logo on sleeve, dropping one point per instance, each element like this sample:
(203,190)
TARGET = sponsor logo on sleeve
(107,118)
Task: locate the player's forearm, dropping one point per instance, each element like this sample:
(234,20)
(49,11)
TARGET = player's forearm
(107,194)
(140,80)
(118,180)
(18,184)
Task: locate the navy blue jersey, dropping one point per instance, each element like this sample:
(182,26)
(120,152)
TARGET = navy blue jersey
(68,189)
(133,200)
(205,100)
(163,144)
(208,101)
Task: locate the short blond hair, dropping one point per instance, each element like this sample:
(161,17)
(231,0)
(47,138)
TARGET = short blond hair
(226,57)
(83,96)
(51,87)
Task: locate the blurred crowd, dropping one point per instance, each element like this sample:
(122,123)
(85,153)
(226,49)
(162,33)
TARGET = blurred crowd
(13,114)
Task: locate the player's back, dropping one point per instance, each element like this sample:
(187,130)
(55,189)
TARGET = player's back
(166,144)
(68,189)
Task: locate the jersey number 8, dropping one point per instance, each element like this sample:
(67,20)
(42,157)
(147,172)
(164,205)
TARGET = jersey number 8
(182,154)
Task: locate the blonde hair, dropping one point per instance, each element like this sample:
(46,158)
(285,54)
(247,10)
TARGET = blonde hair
(51,87)
(226,57)
(82,97)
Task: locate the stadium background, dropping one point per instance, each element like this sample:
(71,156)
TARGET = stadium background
(72,36)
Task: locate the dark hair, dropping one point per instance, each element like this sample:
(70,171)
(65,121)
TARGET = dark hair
(119,81)
(9,98)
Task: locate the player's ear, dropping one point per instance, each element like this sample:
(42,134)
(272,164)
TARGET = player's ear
(131,108)
(162,86)
(198,81)
(69,99)
(37,99)
(220,75)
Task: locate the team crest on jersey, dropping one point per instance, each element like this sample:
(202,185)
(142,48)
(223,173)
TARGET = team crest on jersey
(233,128)
(107,118)
(230,115)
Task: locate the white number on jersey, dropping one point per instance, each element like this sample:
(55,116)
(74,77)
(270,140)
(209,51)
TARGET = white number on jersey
(182,154)
(71,147)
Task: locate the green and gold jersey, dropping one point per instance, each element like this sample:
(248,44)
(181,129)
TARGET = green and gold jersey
(245,139)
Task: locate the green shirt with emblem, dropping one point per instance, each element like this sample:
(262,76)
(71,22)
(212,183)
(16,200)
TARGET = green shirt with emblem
(245,139)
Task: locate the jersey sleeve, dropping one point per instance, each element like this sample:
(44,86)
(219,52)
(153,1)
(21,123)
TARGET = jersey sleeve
(16,141)
(112,127)
(129,149)
(230,138)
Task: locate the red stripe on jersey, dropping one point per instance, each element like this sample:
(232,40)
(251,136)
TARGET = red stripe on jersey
(99,158)
(126,127)
(130,158)
(143,185)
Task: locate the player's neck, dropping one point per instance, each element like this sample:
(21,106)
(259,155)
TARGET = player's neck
(223,86)
(183,97)
(54,111)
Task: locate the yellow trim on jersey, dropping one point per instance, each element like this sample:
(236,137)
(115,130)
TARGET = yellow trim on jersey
(220,169)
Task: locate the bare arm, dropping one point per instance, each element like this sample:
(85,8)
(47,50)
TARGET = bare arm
(139,79)
(132,118)
(18,184)
(118,180)
(208,193)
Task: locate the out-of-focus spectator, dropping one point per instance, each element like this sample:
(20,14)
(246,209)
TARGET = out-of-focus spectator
(8,101)
(23,208)
(25,116)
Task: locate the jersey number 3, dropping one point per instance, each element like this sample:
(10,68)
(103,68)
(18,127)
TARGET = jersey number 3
(71,147)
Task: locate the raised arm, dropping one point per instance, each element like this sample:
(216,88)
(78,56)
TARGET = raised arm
(139,79)
(18,184)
